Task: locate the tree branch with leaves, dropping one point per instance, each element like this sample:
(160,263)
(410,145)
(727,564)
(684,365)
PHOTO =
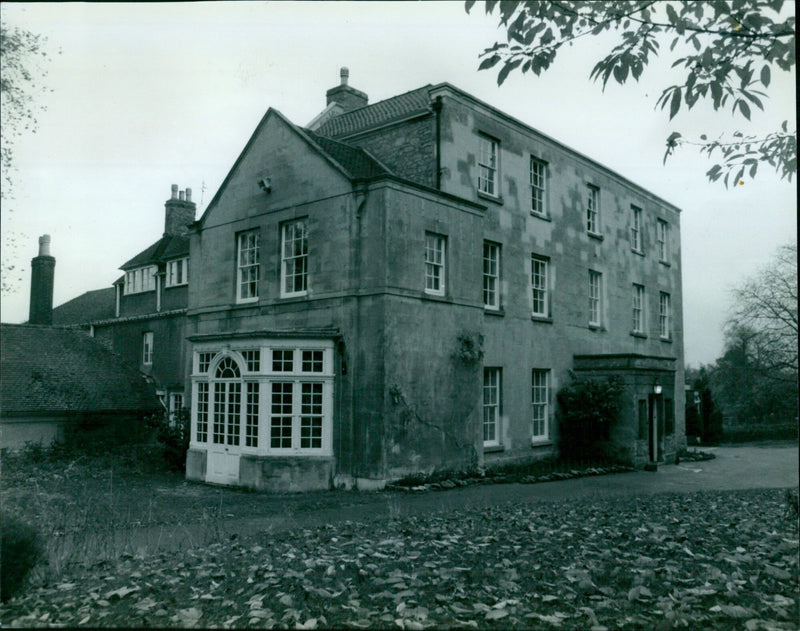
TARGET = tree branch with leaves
(727,51)
(21,75)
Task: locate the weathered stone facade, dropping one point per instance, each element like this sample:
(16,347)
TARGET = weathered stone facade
(417,372)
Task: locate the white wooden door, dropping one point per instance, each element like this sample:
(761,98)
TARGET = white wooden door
(222,465)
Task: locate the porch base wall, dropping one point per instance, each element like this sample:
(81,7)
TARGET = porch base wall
(196,465)
(286,474)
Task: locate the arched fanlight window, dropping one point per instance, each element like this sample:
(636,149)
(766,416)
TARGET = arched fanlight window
(227,369)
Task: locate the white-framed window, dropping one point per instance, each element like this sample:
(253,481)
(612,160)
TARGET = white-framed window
(540,289)
(491,275)
(540,405)
(177,272)
(264,396)
(538,187)
(664,315)
(140,280)
(595,298)
(227,403)
(147,348)
(201,412)
(247,274)
(487,166)
(175,406)
(638,308)
(252,408)
(435,251)
(662,240)
(636,229)
(492,392)
(294,258)
(592,209)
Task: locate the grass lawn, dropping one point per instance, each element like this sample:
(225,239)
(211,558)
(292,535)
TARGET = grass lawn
(706,560)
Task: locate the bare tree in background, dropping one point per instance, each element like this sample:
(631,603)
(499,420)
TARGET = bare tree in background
(765,313)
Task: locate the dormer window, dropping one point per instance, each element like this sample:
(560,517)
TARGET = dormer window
(177,272)
(140,280)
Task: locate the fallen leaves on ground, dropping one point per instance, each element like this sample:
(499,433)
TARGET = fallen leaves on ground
(705,560)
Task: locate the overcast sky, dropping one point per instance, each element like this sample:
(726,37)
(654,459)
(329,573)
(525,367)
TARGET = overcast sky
(147,95)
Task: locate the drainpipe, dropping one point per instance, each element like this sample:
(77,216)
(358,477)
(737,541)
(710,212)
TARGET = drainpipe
(360,198)
(437,110)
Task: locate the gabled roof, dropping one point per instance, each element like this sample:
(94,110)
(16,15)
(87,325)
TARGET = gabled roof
(167,247)
(392,109)
(98,304)
(354,160)
(48,370)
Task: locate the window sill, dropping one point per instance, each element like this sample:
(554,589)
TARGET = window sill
(541,442)
(245,305)
(176,286)
(494,198)
(595,235)
(639,335)
(665,263)
(545,319)
(435,297)
(283,300)
(638,252)
(493,449)
(667,340)
(541,216)
(494,312)
(597,327)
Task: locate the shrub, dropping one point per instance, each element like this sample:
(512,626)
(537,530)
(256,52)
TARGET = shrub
(587,410)
(173,437)
(20,550)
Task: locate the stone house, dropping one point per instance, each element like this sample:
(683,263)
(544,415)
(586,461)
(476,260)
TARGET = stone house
(405,286)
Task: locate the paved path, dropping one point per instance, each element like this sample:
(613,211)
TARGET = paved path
(744,467)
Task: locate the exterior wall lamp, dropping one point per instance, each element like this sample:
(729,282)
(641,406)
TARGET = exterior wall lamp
(265,184)
(657,387)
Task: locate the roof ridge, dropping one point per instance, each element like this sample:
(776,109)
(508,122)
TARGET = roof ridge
(427,86)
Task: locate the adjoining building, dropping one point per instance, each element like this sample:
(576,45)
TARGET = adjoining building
(142,317)
(404,286)
(52,376)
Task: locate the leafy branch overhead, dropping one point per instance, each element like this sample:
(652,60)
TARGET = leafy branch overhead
(727,53)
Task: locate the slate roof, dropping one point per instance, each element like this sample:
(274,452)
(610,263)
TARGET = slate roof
(98,304)
(167,247)
(355,160)
(46,370)
(380,113)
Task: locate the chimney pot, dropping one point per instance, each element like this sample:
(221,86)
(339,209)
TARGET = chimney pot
(344,73)
(174,191)
(188,194)
(44,245)
(180,196)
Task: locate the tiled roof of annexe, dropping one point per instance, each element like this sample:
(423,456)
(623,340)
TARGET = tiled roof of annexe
(54,370)
(167,247)
(380,113)
(97,304)
(357,162)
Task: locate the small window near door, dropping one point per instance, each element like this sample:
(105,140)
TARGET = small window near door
(669,417)
(643,424)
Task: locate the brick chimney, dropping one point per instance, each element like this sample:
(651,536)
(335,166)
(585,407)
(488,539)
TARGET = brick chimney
(346,97)
(43,269)
(179,212)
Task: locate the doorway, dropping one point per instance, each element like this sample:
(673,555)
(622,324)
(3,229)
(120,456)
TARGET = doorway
(655,440)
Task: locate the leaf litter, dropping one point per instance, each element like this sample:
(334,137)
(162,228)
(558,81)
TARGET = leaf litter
(707,560)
